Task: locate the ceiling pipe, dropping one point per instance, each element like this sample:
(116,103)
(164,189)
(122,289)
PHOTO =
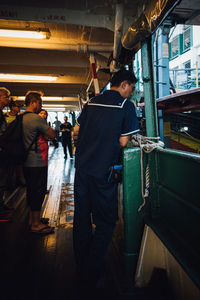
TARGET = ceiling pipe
(154,13)
(49,45)
(88,48)
(119,22)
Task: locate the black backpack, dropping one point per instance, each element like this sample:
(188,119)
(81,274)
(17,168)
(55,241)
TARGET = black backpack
(12,148)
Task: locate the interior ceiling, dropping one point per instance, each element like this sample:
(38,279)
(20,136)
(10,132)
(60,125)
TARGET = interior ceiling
(77,29)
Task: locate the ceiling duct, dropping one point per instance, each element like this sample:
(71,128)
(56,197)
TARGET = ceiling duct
(154,13)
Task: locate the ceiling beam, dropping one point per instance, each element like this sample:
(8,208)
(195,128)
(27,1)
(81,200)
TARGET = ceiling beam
(57,15)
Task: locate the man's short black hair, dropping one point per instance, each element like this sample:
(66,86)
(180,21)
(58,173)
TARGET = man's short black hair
(122,75)
(32,96)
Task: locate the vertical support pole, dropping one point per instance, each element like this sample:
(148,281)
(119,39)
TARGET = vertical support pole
(138,71)
(149,95)
(151,120)
(163,80)
(94,74)
(163,59)
(197,79)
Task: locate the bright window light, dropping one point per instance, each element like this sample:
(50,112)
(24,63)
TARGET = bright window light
(54,108)
(17,77)
(23,34)
(54,105)
(183,129)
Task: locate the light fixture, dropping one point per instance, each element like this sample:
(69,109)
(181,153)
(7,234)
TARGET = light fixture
(18,77)
(44,98)
(50,98)
(26,34)
(184,129)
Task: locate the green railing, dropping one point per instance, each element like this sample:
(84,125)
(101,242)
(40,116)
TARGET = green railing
(172,209)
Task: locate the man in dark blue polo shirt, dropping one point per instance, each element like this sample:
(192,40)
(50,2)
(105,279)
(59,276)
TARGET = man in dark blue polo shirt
(104,126)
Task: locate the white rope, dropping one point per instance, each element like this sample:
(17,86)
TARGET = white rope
(147,145)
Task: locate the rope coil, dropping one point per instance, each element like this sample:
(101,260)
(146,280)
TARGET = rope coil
(146,145)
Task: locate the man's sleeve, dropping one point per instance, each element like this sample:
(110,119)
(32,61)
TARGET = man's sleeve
(82,115)
(42,125)
(130,123)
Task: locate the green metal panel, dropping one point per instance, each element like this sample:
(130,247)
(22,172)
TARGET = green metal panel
(180,44)
(133,223)
(180,172)
(176,192)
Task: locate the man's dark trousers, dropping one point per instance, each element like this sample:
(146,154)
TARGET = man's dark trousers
(67,142)
(95,203)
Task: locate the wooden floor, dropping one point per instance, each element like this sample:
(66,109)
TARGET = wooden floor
(35,267)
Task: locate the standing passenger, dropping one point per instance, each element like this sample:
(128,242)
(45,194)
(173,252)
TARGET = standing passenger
(57,124)
(66,129)
(35,168)
(43,141)
(15,172)
(105,124)
(4,209)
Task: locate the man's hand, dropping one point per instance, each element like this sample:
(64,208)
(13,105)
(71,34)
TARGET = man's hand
(123,140)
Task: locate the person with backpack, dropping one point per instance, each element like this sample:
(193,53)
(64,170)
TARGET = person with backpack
(16,176)
(35,168)
(5,211)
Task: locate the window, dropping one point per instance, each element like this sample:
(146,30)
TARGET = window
(186,39)
(174,47)
(187,66)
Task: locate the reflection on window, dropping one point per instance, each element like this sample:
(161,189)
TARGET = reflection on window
(186,39)
(187,68)
(174,47)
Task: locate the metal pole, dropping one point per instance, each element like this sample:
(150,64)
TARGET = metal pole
(151,120)
(197,79)
(149,95)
